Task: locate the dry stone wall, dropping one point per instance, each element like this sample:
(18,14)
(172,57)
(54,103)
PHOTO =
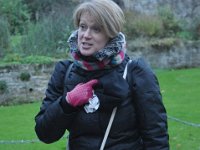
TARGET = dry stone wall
(19,91)
(180,55)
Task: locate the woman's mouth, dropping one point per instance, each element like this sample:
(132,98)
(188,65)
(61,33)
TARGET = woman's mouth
(86,45)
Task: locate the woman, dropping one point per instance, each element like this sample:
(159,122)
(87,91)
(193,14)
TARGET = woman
(83,104)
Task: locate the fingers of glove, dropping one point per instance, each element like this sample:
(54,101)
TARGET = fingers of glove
(91,82)
(81,93)
(78,99)
(85,88)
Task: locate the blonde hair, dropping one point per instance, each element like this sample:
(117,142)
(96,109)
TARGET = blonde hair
(107,13)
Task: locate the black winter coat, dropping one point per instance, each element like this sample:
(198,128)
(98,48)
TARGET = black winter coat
(140,122)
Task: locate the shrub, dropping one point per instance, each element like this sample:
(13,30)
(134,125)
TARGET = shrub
(36,60)
(170,23)
(15,58)
(16,13)
(3,87)
(187,35)
(47,37)
(143,25)
(4,37)
(25,76)
(196,30)
(148,25)
(43,8)
(12,57)
(129,29)
(162,25)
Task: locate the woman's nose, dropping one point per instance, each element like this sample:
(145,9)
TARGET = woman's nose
(87,33)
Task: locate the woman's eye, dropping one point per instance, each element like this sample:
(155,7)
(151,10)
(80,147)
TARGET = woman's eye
(96,29)
(82,27)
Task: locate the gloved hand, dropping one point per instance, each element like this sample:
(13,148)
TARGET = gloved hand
(81,93)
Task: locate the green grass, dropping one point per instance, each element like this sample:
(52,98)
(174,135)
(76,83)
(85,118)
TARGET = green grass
(17,123)
(181,93)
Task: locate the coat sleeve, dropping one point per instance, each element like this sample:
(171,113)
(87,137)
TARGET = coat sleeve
(150,111)
(52,119)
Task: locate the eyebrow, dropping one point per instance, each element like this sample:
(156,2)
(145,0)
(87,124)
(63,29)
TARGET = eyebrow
(93,25)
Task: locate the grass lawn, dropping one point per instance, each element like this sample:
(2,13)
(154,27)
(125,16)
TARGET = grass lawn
(17,123)
(181,95)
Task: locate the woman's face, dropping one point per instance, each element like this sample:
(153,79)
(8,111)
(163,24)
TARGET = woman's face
(91,37)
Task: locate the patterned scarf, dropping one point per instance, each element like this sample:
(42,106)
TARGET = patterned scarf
(111,55)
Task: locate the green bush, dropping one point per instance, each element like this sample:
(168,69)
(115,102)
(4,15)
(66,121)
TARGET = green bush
(3,87)
(170,23)
(4,37)
(196,29)
(148,25)
(47,37)
(162,25)
(43,8)
(143,25)
(129,29)
(12,57)
(15,58)
(16,13)
(25,76)
(36,60)
(187,35)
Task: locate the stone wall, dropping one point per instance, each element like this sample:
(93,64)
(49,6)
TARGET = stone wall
(180,55)
(19,91)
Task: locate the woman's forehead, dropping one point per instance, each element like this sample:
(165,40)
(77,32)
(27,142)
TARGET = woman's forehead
(87,16)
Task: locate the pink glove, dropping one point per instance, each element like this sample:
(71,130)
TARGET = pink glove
(81,93)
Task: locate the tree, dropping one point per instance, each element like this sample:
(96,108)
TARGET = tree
(16,13)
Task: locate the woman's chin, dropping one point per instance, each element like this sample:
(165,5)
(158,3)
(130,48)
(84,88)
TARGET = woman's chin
(86,52)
